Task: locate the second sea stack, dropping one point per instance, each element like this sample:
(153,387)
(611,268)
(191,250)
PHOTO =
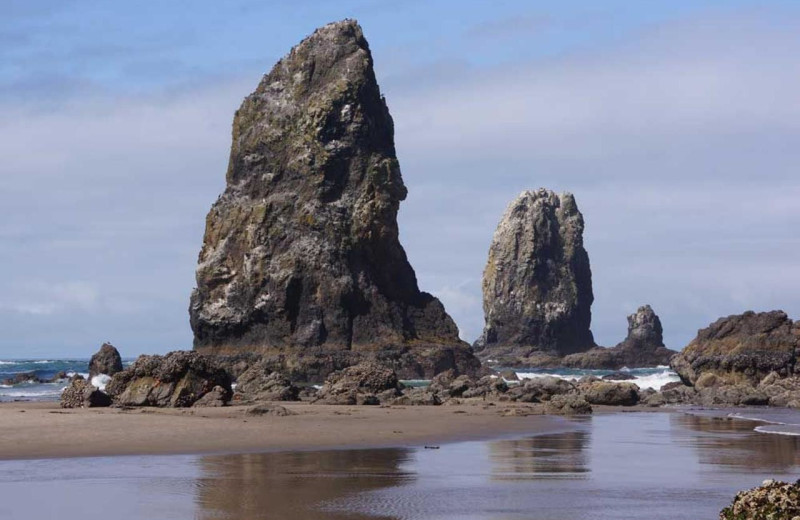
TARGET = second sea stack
(537,285)
(301,260)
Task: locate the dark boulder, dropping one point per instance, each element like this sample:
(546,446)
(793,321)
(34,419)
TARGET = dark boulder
(177,379)
(105,361)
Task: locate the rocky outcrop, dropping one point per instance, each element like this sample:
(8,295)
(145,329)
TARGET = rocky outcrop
(365,383)
(611,394)
(301,255)
(642,347)
(260,383)
(178,379)
(537,284)
(773,500)
(741,349)
(81,394)
(105,361)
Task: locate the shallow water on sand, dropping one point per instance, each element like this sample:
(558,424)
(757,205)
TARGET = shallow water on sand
(610,466)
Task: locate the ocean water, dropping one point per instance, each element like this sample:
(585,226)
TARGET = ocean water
(642,466)
(44,369)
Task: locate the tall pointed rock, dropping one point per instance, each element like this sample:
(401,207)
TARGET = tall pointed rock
(537,284)
(301,255)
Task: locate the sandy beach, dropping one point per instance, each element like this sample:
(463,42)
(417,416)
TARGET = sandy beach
(43,430)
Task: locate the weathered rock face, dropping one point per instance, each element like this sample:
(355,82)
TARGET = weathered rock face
(537,285)
(81,394)
(365,383)
(177,379)
(742,348)
(259,383)
(773,500)
(301,252)
(105,361)
(643,346)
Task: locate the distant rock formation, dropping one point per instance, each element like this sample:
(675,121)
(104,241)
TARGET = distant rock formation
(741,349)
(537,285)
(105,361)
(643,346)
(301,259)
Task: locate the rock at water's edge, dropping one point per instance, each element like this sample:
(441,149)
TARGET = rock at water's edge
(642,347)
(105,361)
(741,349)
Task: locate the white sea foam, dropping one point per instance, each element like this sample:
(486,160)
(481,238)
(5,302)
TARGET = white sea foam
(772,430)
(654,381)
(100,381)
(9,362)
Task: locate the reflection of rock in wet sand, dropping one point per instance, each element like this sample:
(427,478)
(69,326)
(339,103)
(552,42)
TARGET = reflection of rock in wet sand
(278,486)
(732,442)
(561,455)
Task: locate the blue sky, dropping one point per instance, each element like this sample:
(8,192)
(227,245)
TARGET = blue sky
(675,124)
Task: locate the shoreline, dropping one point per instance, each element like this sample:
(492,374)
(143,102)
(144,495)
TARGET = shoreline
(43,430)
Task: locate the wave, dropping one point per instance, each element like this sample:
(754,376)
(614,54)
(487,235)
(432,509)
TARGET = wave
(643,378)
(790,430)
(100,381)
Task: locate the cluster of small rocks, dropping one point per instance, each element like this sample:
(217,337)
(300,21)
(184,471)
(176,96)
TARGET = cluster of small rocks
(773,500)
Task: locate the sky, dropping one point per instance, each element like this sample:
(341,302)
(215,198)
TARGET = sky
(675,124)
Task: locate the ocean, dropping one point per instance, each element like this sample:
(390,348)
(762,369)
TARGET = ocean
(42,387)
(611,466)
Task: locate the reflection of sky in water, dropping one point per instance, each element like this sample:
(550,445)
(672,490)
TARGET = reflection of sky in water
(626,465)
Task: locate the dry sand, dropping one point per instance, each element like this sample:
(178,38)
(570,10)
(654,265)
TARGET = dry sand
(43,430)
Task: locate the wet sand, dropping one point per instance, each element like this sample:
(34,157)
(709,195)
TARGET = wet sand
(43,430)
(610,466)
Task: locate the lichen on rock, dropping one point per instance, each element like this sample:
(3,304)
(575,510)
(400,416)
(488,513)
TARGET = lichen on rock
(301,253)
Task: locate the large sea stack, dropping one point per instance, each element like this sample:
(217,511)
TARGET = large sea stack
(301,260)
(537,285)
